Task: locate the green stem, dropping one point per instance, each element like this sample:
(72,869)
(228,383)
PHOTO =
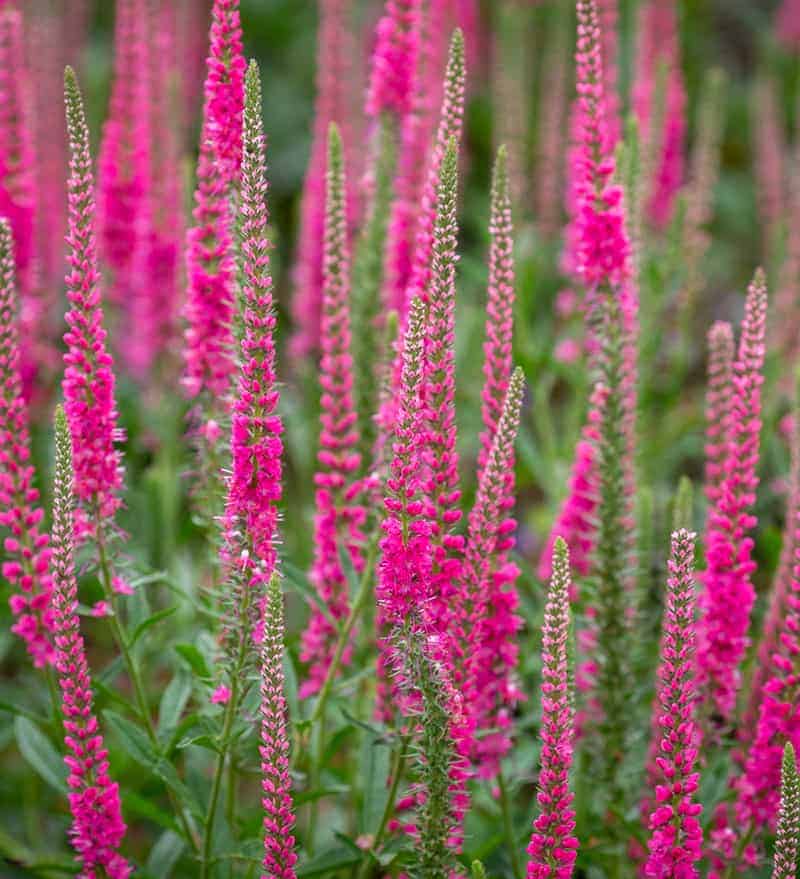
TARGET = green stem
(216,784)
(359,603)
(397,772)
(508,825)
(135,678)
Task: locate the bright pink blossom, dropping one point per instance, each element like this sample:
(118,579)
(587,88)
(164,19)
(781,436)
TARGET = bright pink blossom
(394,59)
(123,160)
(676,837)
(553,846)
(209,309)
(88,383)
(97,825)
(334,72)
(27,554)
(340,516)
(728,596)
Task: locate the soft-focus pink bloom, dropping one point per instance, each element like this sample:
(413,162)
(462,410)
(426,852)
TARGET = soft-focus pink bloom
(26,551)
(662,127)
(221,696)
(567,351)
(97,825)
(156,294)
(123,159)
(210,305)
(335,53)
(88,383)
(18,192)
(394,59)
(676,837)
(769,150)
(787,23)
(728,596)
(340,516)
(553,847)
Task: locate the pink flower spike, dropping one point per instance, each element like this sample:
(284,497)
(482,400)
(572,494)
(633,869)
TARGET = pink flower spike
(335,52)
(27,554)
(340,517)
(276,785)
(18,194)
(394,59)
(123,158)
(486,621)
(676,838)
(88,383)
(787,833)
(728,597)
(97,825)
(553,847)
(209,310)
(719,406)
(254,488)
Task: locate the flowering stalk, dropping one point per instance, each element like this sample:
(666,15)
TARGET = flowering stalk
(123,160)
(97,825)
(719,407)
(88,384)
(339,516)
(276,784)
(254,487)
(404,573)
(676,837)
(334,56)
(769,159)
(209,310)
(553,847)
(728,597)
(787,834)
(27,553)
(18,192)
(487,621)
(155,304)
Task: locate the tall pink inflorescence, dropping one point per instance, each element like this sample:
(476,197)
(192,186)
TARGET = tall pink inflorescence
(676,837)
(254,487)
(18,191)
(719,407)
(486,622)
(27,554)
(97,825)
(123,159)
(340,517)
(88,383)
(209,310)
(276,783)
(608,18)
(394,59)
(659,102)
(728,594)
(334,61)
(156,297)
(404,572)
(553,847)
(769,154)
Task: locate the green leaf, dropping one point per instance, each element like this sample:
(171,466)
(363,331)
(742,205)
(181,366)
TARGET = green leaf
(195,659)
(335,858)
(295,579)
(39,752)
(165,854)
(157,617)
(173,703)
(134,741)
(290,685)
(375,766)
